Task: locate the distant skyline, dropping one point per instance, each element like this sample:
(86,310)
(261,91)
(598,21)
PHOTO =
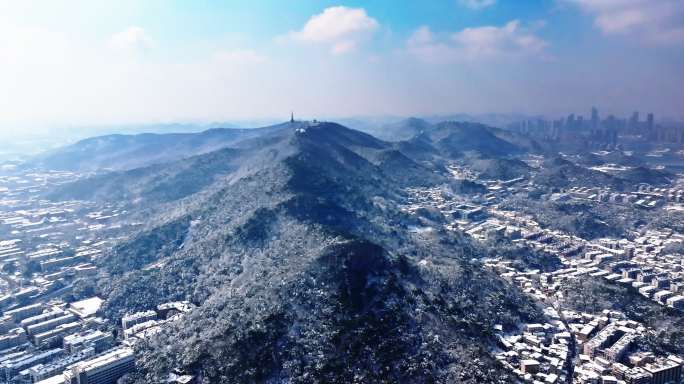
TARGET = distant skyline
(101,63)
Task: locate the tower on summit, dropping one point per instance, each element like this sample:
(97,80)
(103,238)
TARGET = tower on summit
(291,117)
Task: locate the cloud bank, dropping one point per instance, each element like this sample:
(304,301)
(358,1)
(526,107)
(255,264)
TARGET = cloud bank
(510,40)
(339,27)
(650,21)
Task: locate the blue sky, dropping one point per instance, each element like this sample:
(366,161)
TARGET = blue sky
(95,62)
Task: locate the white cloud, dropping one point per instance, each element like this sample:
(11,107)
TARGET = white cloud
(508,41)
(342,47)
(240,56)
(421,36)
(339,27)
(423,45)
(131,39)
(477,4)
(651,21)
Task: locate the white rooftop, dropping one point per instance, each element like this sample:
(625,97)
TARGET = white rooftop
(59,379)
(87,307)
(105,359)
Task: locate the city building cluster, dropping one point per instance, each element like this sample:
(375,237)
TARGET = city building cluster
(46,246)
(608,132)
(596,348)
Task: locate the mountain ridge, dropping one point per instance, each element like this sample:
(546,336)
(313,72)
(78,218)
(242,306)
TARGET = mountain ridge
(123,152)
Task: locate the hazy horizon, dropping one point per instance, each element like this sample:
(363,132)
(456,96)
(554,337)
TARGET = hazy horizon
(63,64)
(30,139)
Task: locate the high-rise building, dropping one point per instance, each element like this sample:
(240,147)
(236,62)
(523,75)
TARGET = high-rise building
(47,325)
(43,371)
(570,121)
(22,313)
(97,339)
(15,337)
(104,369)
(594,118)
(12,367)
(136,318)
(649,121)
(665,371)
(634,121)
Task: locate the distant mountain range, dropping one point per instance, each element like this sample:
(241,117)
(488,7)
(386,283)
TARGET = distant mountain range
(43,139)
(24,142)
(121,152)
(375,125)
(412,141)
